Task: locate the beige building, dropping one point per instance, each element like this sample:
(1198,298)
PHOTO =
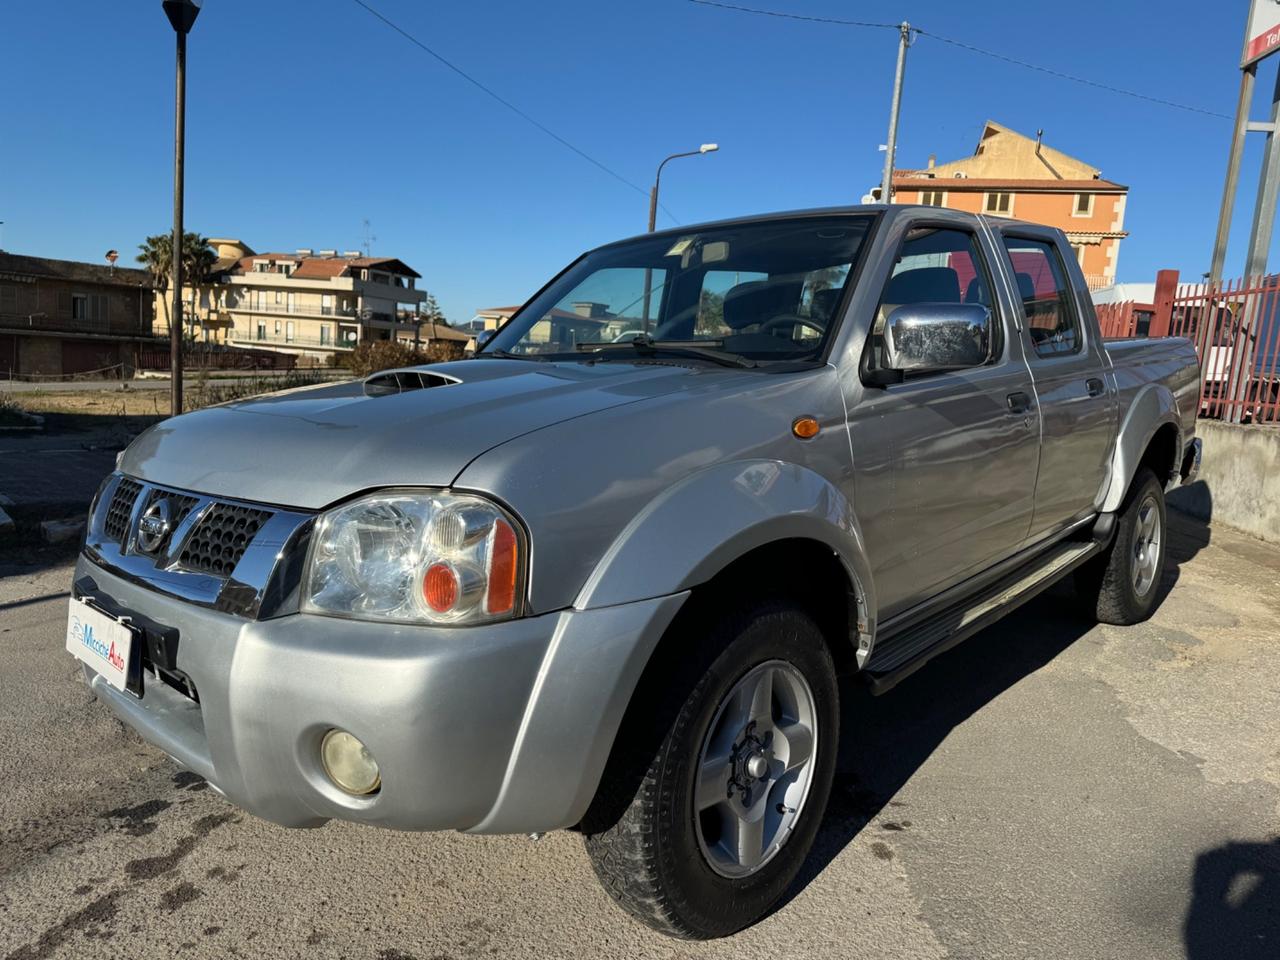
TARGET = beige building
(316,304)
(1013,175)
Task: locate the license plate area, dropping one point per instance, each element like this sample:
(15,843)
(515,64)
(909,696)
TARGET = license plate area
(156,647)
(110,646)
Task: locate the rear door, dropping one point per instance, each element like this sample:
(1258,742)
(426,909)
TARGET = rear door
(1074,389)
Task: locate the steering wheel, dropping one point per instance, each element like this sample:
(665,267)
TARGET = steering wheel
(794,321)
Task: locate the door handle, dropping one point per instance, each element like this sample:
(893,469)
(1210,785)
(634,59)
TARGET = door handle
(1094,386)
(1019,402)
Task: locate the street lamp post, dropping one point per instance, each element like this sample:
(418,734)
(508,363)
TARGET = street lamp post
(653,214)
(653,193)
(182,15)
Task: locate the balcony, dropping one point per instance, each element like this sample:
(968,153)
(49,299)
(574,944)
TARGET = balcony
(298,310)
(68,324)
(301,343)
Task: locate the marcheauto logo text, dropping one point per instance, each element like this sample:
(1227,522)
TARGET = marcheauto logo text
(83,634)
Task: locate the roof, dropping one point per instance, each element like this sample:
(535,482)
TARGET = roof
(964,184)
(442,331)
(326,268)
(73,270)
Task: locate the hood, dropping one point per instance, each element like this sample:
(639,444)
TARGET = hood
(314,445)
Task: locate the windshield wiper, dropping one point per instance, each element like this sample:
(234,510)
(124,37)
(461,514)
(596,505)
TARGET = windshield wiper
(650,347)
(507,355)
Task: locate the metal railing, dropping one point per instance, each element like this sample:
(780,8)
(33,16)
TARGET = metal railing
(66,324)
(283,340)
(284,308)
(1236,329)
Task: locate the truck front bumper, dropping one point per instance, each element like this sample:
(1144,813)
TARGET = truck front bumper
(502,728)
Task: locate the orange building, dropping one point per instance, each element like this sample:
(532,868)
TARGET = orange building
(1012,175)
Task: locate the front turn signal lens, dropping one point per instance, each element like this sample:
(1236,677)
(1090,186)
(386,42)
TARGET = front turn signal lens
(504,565)
(805,427)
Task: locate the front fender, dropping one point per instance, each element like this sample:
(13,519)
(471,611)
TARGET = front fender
(1152,408)
(696,528)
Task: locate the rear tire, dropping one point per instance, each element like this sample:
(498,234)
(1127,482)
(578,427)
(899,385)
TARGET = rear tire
(1123,583)
(711,763)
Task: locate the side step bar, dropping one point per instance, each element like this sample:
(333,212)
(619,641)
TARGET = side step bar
(898,656)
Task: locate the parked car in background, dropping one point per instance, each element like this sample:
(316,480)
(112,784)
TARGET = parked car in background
(609,586)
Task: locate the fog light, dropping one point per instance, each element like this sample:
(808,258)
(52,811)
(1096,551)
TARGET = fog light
(349,763)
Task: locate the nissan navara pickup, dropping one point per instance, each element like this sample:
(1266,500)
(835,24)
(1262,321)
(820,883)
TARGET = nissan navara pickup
(604,575)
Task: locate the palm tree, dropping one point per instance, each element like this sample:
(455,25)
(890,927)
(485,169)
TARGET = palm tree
(198,258)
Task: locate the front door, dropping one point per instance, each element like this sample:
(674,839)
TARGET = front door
(1077,398)
(948,469)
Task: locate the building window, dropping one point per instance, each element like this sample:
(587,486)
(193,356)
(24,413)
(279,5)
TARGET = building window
(79,306)
(277,328)
(1083,205)
(279,296)
(998,203)
(324,335)
(933,198)
(1078,250)
(262,330)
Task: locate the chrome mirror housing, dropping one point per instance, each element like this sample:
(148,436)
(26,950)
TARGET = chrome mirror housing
(923,337)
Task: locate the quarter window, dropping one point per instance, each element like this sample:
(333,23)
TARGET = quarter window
(1052,321)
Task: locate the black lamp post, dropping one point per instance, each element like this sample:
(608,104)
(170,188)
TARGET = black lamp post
(182,14)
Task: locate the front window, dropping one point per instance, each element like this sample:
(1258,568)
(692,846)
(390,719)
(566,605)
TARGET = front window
(761,291)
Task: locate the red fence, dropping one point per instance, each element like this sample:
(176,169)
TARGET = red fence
(1236,330)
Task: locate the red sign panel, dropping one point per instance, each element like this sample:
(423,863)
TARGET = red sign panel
(1263,36)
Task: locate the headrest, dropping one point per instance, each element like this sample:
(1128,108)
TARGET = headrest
(824,302)
(924,285)
(759,300)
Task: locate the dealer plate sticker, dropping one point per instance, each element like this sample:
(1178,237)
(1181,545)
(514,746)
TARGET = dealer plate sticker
(100,641)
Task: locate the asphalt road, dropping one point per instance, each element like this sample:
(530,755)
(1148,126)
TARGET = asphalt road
(1048,789)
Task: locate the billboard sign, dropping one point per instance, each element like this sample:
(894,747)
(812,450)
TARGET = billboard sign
(1263,36)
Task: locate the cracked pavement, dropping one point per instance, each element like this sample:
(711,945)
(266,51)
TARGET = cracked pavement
(1050,788)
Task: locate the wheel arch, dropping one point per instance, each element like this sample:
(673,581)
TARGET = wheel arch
(756,516)
(1149,435)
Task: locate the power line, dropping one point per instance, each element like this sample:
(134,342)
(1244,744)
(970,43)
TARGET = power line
(794,16)
(507,103)
(966,46)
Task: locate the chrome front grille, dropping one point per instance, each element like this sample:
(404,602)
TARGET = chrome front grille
(120,509)
(220,538)
(209,550)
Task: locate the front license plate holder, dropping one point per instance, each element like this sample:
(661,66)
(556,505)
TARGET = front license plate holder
(109,645)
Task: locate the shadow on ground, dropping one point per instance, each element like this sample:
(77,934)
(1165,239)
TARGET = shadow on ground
(886,739)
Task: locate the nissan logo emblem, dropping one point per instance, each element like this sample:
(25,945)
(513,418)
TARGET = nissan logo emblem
(154,526)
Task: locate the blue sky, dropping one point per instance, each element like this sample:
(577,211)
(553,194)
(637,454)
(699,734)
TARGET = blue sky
(306,117)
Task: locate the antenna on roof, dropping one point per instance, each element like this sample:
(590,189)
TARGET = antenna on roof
(367,241)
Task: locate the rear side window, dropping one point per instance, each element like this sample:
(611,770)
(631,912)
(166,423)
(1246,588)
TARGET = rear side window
(1047,304)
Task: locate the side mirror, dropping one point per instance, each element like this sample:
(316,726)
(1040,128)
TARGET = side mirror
(927,337)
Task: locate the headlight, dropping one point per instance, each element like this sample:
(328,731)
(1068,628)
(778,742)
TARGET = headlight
(424,557)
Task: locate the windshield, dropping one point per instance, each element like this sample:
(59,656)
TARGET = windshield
(762,291)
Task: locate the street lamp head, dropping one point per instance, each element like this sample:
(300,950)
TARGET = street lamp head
(709,148)
(182,13)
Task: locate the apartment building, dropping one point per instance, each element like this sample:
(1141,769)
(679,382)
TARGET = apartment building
(1013,175)
(60,317)
(315,304)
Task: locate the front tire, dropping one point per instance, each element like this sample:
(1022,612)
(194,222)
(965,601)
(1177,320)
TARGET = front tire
(1124,581)
(719,781)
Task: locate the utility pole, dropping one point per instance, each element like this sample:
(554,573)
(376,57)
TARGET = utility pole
(182,15)
(891,148)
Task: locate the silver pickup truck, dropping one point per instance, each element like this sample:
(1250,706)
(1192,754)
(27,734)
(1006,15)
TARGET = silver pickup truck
(604,575)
